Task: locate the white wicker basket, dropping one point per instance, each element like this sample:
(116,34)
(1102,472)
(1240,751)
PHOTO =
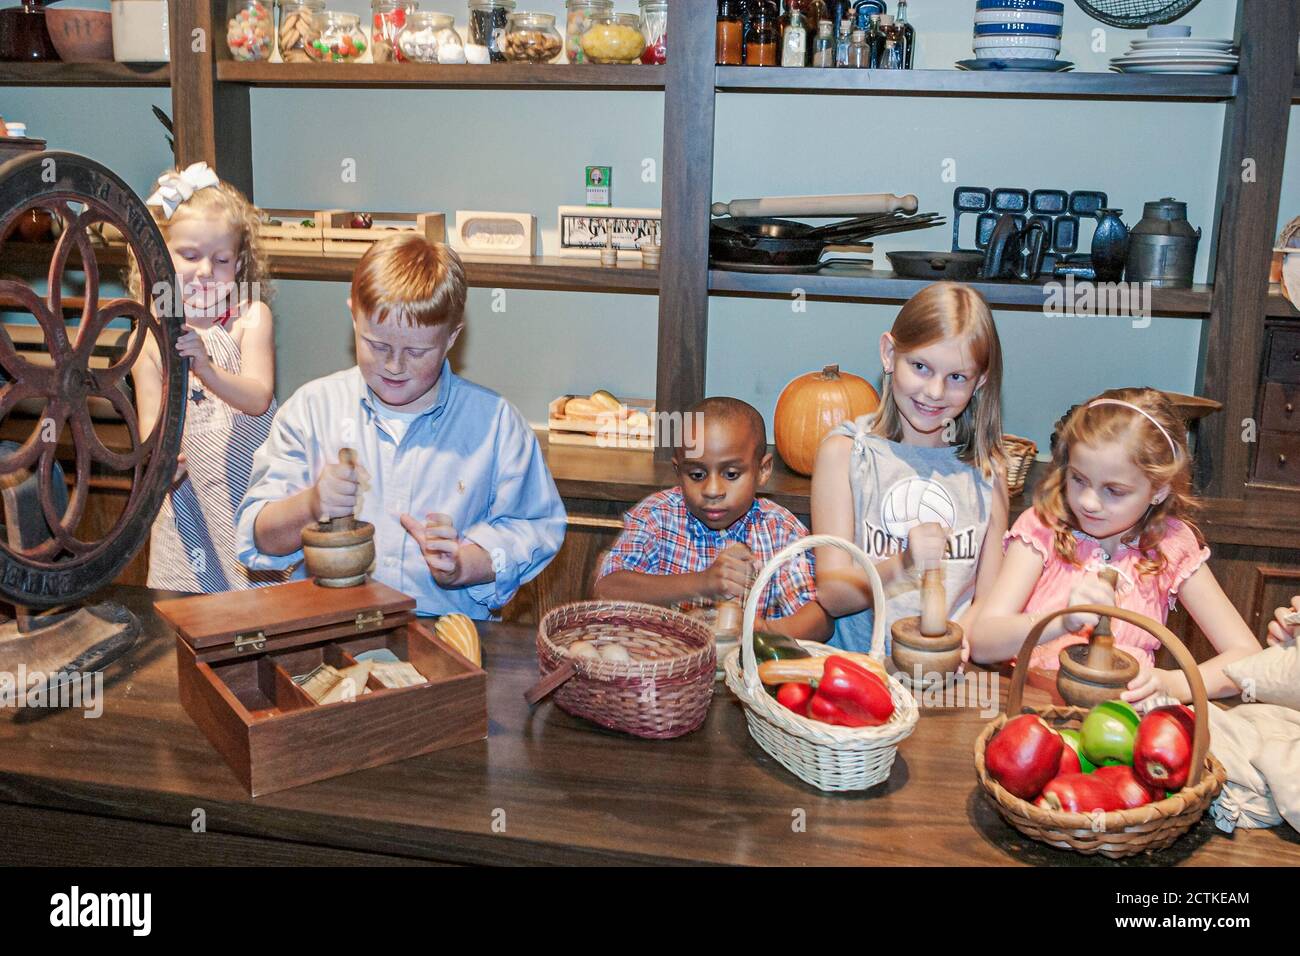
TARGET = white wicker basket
(825,755)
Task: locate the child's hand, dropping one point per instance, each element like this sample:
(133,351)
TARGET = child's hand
(1150,680)
(1279,631)
(190,345)
(926,543)
(440,545)
(336,491)
(730,573)
(1091,590)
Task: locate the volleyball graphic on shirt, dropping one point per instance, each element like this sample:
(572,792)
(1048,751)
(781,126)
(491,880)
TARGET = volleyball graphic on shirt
(914,501)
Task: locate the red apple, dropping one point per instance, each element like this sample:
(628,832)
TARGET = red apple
(1131,791)
(1080,793)
(362,220)
(1024,755)
(1162,750)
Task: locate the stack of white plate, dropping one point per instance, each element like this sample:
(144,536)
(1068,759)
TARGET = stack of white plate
(1018,29)
(1177,54)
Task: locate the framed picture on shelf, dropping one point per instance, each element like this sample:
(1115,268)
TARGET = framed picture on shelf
(584,230)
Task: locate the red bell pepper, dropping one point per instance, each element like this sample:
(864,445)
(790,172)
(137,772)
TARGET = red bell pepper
(850,695)
(1162,750)
(795,697)
(1080,793)
(1128,788)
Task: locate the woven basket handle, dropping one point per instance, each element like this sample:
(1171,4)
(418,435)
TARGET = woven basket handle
(795,548)
(1200,702)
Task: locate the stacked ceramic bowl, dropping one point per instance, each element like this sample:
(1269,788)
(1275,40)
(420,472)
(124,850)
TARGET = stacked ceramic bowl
(1018,29)
(1173,49)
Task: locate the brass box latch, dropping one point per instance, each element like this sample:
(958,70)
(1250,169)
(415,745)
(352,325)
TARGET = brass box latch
(252,641)
(369,619)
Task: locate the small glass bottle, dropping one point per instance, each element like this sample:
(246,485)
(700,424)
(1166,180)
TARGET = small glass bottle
(873,40)
(731,33)
(794,42)
(909,34)
(761,42)
(842,41)
(889,49)
(859,53)
(824,46)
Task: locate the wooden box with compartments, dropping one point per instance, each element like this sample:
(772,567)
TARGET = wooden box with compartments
(295,683)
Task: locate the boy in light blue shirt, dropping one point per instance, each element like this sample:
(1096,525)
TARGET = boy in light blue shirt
(449,473)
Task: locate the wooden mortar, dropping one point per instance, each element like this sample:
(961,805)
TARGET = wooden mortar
(341,550)
(1097,671)
(929,643)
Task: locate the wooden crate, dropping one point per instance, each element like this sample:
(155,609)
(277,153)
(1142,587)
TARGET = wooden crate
(237,654)
(292,238)
(607,431)
(342,240)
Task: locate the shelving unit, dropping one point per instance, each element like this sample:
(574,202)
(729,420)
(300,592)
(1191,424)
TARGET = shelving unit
(84,74)
(507,76)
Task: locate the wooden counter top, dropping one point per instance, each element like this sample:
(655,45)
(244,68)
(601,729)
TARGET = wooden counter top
(125,788)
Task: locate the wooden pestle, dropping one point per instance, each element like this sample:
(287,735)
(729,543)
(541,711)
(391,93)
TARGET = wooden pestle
(934,603)
(347,458)
(1101,646)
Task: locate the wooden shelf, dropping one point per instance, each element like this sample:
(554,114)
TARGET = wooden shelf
(507,272)
(85,74)
(870,285)
(515,76)
(741,79)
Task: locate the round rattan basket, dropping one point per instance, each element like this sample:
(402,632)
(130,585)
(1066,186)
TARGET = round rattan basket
(664,689)
(826,756)
(1119,833)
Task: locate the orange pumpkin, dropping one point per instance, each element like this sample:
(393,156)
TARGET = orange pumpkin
(811,406)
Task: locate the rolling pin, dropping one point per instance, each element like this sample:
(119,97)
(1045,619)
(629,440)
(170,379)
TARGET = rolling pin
(347,458)
(852,204)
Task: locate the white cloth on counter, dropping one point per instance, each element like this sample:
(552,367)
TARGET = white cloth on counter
(1259,747)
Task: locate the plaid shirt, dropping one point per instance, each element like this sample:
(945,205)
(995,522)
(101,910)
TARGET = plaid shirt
(660,536)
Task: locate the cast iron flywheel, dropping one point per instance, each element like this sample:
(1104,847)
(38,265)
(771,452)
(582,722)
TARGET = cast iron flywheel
(66,567)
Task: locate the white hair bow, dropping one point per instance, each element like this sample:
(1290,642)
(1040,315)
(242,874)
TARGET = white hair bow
(175,188)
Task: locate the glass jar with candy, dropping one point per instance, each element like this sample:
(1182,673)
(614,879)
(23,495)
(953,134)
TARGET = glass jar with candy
(298,28)
(387,19)
(614,38)
(579,14)
(341,39)
(532,38)
(250,32)
(430,38)
(654,24)
(488,20)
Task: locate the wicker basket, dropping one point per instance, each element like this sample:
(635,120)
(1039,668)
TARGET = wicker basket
(663,691)
(1021,454)
(1120,833)
(827,756)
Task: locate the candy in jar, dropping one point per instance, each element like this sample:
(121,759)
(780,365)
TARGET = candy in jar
(614,38)
(388,20)
(250,31)
(579,14)
(340,40)
(430,38)
(487,26)
(532,38)
(654,24)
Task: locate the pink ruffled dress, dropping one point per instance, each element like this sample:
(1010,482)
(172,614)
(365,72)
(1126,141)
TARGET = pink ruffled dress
(1152,595)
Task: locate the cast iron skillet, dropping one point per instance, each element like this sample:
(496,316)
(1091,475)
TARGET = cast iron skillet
(762,241)
(957,266)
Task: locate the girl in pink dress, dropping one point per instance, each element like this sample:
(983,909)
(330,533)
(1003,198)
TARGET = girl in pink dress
(1118,496)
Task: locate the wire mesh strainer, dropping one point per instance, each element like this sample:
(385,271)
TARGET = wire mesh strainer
(1135,14)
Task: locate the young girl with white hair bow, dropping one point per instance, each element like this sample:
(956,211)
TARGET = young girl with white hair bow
(211,231)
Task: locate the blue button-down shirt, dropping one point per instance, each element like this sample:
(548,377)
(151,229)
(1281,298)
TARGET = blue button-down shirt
(470,455)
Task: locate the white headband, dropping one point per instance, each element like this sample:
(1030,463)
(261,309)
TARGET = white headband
(175,188)
(1145,414)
